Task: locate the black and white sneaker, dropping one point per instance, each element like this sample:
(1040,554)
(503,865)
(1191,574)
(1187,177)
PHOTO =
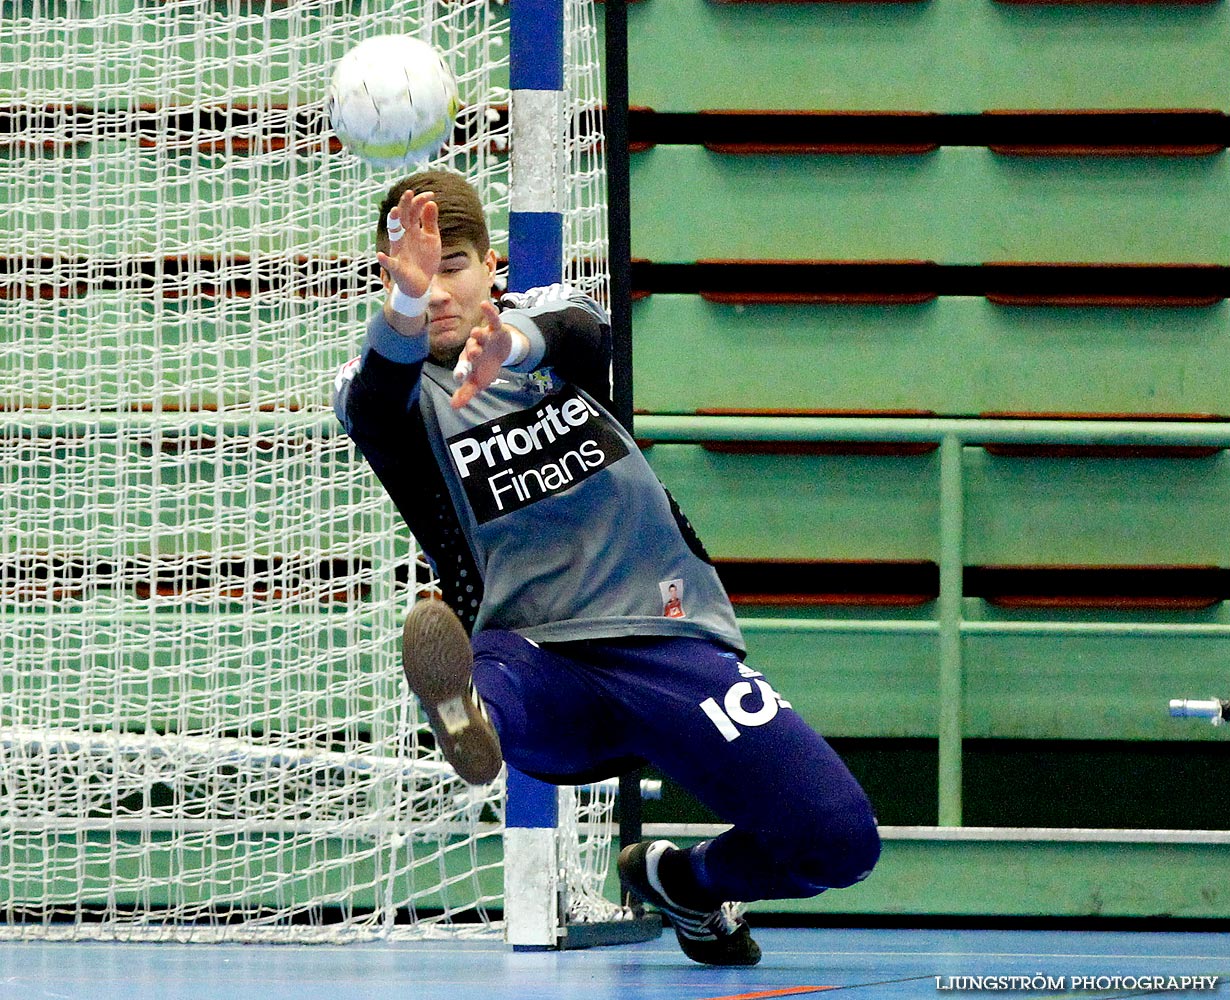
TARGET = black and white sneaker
(438,662)
(711,937)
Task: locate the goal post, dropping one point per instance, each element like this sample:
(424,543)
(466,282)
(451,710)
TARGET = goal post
(543,122)
(535,257)
(204,734)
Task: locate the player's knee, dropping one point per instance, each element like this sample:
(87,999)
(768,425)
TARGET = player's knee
(855,855)
(844,850)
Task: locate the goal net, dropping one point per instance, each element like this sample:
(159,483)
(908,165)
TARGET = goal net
(204,732)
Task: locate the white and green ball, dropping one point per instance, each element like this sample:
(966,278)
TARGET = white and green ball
(393,101)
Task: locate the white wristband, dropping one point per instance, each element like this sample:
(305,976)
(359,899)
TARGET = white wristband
(518,351)
(408,305)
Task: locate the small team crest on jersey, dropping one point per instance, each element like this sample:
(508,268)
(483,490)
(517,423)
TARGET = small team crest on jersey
(542,382)
(672,599)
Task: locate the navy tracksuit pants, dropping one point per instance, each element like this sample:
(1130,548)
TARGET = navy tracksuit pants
(574,712)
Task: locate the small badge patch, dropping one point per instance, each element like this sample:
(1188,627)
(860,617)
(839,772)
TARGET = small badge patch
(672,598)
(541,382)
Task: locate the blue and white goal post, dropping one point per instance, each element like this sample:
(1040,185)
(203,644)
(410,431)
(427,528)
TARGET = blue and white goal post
(538,910)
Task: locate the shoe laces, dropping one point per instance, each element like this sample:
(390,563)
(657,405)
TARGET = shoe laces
(721,923)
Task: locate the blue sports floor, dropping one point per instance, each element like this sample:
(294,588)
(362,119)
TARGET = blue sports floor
(857,963)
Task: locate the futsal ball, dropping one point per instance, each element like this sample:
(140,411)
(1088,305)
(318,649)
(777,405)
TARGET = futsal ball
(392,101)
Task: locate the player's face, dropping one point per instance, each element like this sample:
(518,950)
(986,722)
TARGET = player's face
(460,287)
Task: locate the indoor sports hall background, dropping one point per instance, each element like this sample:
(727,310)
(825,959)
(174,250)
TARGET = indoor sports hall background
(973,232)
(928,339)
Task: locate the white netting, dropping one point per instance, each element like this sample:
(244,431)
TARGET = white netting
(203,729)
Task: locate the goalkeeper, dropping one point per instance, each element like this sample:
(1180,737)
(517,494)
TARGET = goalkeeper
(583,629)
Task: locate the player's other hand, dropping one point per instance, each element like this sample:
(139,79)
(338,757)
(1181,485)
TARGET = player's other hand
(414,258)
(482,357)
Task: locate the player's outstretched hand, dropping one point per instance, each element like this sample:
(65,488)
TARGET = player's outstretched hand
(414,243)
(482,357)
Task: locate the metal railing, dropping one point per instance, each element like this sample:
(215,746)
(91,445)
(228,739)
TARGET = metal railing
(952,435)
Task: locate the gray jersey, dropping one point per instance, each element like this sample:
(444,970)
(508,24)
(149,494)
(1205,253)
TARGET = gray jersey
(570,531)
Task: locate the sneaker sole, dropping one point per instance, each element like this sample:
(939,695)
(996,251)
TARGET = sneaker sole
(438,663)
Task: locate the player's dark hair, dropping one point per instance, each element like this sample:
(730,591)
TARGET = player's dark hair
(461,210)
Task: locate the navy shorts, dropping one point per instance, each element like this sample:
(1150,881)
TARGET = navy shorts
(571,712)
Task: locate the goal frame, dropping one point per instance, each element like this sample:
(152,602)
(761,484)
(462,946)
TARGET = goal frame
(533,918)
(182,428)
